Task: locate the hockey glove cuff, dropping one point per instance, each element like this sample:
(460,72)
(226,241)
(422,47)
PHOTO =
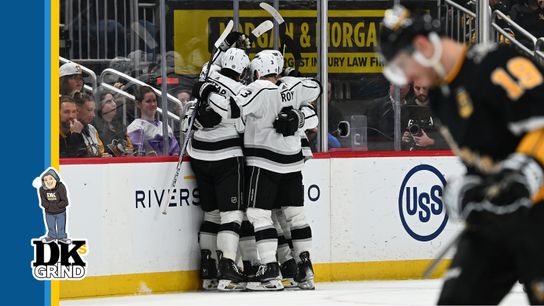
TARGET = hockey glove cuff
(290,71)
(461,191)
(529,171)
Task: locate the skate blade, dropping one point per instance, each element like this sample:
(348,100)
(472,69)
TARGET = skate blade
(307,285)
(273,285)
(228,285)
(209,284)
(289,283)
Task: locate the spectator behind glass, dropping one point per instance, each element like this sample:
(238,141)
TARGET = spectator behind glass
(529,14)
(71,79)
(184,96)
(71,143)
(381,119)
(85,114)
(111,130)
(419,128)
(146,132)
(335,116)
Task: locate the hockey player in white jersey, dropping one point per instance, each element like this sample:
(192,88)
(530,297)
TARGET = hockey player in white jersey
(272,159)
(297,94)
(218,164)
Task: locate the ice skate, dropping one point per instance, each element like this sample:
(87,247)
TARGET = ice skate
(230,278)
(289,272)
(208,271)
(305,275)
(268,278)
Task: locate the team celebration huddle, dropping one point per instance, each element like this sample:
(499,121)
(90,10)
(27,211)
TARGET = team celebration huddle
(247,153)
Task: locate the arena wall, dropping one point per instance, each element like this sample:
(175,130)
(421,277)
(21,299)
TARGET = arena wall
(371,218)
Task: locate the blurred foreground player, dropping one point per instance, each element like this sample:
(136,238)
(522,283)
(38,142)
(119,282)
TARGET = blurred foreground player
(490,100)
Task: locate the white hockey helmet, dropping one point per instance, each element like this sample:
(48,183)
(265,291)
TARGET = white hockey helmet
(213,68)
(265,64)
(277,54)
(235,59)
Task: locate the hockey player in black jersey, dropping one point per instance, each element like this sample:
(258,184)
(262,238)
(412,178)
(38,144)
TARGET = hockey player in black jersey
(218,163)
(490,100)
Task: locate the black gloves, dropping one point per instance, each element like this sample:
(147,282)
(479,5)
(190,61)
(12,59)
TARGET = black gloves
(201,91)
(206,117)
(501,193)
(235,39)
(288,121)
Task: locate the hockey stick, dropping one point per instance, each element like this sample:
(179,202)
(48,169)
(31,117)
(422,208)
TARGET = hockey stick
(263,27)
(189,132)
(430,269)
(286,41)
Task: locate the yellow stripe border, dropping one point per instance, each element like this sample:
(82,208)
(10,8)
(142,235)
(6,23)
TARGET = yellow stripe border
(161,282)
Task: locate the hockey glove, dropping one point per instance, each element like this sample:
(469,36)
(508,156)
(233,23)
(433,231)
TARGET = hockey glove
(519,179)
(288,121)
(235,39)
(206,117)
(201,90)
(505,192)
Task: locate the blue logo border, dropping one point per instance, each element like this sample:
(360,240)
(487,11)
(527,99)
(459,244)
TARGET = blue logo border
(422,167)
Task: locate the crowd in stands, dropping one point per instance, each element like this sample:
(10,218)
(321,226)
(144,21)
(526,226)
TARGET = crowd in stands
(88,129)
(97,128)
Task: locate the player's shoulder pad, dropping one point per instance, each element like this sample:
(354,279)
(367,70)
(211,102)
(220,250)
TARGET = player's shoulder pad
(255,88)
(230,86)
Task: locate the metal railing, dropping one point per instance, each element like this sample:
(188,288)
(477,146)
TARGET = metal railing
(513,26)
(172,118)
(99,30)
(132,80)
(459,22)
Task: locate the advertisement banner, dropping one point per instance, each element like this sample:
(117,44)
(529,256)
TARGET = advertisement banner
(352,37)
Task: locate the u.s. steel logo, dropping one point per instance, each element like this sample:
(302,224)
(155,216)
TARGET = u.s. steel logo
(421,209)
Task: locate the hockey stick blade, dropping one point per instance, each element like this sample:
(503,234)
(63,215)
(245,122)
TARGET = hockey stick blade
(265,26)
(272,11)
(223,35)
(189,133)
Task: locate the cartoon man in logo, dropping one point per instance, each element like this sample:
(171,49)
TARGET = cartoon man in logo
(54,200)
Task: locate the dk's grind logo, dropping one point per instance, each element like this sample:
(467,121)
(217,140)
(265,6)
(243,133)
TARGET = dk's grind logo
(55,255)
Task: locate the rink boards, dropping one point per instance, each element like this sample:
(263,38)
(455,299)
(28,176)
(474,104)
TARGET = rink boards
(371,218)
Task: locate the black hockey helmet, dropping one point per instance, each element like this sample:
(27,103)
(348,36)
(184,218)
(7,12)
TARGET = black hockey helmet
(400,27)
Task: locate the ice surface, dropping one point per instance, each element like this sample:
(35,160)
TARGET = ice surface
(411,292)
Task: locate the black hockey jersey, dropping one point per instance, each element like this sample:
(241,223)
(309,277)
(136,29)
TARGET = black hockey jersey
(491,106)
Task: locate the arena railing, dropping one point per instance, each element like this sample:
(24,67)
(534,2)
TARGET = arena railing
(172,118)
(535,52)
(459,22)
(132,80)
(98,31)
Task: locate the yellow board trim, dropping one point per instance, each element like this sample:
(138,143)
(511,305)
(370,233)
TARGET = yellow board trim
(161,282)
(54,111)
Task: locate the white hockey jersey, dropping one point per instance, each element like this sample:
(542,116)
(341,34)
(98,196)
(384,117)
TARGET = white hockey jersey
(299,93)
(259,103)
(222,141)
